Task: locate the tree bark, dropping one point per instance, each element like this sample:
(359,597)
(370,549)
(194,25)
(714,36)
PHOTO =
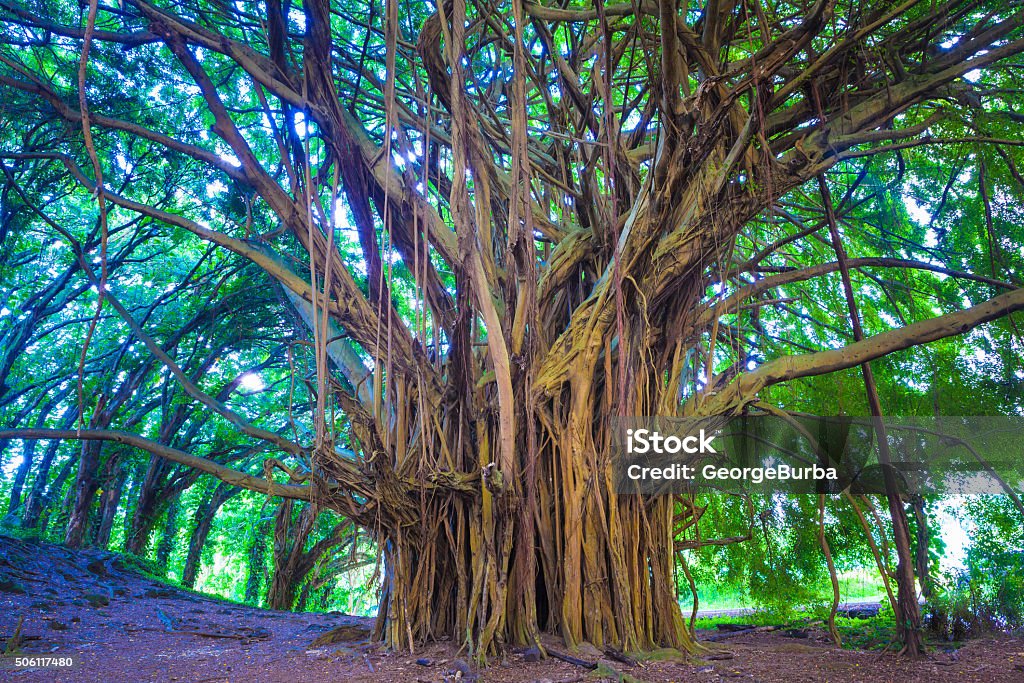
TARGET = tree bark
(86,485)
(110,499)
(256,573)
(287,535)
(36,499)
(47,502)
(202,523)
(129,495)
(166,545)
(33,501)
(28,454)
(292,562)
(147,507)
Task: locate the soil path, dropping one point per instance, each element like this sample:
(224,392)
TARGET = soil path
(122,627)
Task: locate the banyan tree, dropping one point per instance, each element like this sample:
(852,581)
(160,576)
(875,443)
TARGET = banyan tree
(503,223)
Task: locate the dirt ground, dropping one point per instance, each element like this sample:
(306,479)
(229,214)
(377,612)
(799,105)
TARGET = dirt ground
(123,627)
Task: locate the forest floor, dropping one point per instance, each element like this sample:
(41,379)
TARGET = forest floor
(122,626)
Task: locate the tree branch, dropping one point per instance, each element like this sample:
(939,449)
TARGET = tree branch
(745,388)
(225,474)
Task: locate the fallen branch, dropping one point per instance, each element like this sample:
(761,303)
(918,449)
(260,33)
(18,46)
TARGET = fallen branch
(203,634)
(731,634)
(569,659)
(620,657)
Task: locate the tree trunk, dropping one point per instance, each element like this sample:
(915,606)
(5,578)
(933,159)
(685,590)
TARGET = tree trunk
(46,503)
(292,563)
(28,456)
(130,496)
(166,545)
(147,508)
(62,508)
(36,499)
(281,593)
(33,501)
(201,525)
(608,578)
(86,484)
(301,604)
(257,563)
(111,499)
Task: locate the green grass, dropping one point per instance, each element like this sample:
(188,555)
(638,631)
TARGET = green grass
(14,531)
(857,634)
(875,633)
(759,618)
(858,585)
